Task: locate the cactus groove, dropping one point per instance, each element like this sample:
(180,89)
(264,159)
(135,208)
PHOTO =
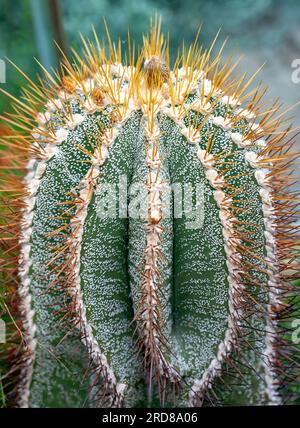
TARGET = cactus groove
(150,250)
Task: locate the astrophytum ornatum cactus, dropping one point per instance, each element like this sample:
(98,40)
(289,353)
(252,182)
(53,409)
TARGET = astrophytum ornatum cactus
(152,241)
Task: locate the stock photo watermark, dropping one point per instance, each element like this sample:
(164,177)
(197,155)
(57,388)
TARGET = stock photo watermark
(295,64)
(176,200)
(2,71)
(2,331)
(296,331)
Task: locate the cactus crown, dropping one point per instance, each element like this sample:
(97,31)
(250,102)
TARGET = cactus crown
(152,242)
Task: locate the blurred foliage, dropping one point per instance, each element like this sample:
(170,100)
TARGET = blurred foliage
(17,43)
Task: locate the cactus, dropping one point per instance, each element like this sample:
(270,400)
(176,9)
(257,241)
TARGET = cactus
(151,247)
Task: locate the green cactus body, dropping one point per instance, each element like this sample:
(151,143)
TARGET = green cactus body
(151,265)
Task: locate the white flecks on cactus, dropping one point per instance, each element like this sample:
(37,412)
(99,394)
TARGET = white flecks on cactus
(274,287)
(77,224)
(230,341)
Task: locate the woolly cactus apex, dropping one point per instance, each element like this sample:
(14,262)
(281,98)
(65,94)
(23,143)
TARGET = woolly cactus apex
(149,251)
